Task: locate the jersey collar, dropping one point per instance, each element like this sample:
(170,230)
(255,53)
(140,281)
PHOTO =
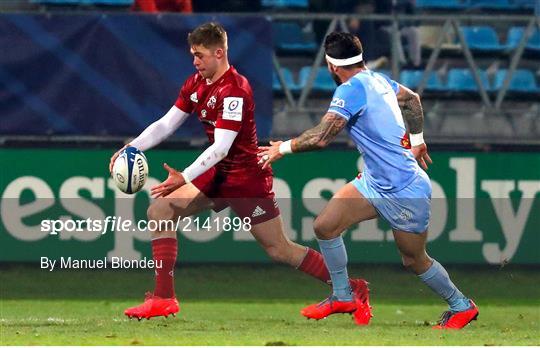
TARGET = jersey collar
(227,72)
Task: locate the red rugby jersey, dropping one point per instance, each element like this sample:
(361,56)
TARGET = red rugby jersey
(226,103)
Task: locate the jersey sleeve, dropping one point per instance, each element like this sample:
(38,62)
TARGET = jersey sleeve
(232,109)
(393,84)
(184,102)
(348,100)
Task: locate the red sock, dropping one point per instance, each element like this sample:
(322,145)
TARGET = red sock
(164,251)
(313,264)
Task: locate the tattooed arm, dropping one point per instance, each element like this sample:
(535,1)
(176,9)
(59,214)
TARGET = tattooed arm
(315,138)
(321,135)
(411,109)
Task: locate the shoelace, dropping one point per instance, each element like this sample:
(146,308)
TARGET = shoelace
(148,295)
(327,300)
(445,317)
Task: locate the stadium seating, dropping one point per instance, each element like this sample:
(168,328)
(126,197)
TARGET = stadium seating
(522,81)
(279,4)
(516,33)
(288,36)
(525,4)
(462,80)
(323,81)
(493,4)
(412,78)
(289,81)
(84,2)
(510,5)
(482,38)
(384,72)
(441,4)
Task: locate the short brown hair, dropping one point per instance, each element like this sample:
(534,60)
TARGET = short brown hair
(209,35)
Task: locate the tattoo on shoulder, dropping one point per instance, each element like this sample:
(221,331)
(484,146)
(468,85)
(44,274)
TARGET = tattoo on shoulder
(320,135)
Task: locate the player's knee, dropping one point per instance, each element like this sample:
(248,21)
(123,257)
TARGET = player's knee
(322,229)
(157,211)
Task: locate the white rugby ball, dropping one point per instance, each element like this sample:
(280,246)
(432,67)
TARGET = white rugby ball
(130,170)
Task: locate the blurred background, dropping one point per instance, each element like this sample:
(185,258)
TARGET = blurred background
(78,78)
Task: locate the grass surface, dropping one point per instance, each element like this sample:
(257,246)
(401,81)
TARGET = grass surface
(258,305)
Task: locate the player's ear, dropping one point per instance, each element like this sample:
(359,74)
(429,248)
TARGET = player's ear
(220,53)
(331,67)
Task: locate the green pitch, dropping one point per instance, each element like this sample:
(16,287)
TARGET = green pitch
(258,305)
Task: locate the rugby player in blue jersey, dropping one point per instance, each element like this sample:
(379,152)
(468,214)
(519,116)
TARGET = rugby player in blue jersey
(374,109)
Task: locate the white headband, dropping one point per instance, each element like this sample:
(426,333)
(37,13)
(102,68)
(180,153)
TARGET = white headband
(344,62)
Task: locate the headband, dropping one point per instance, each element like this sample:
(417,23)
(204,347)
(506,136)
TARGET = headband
(344,62)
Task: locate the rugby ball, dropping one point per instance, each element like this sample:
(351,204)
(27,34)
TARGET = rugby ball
(130,170)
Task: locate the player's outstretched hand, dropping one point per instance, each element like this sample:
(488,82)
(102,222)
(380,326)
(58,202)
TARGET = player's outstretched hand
(269,154)
(115,156)
(421,154)
(174,181)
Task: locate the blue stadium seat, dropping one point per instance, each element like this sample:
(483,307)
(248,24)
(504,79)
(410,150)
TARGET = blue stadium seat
(516,33)
(84,2)
(384,72)
(286,3)
(462,80)
(482,38)
(525,4)
(493,4)
(412,78)
(522,81)
(289,81)
(323,81)
(289,37)
(441,4)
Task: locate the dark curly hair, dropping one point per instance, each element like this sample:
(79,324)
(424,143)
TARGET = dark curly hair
(342,46)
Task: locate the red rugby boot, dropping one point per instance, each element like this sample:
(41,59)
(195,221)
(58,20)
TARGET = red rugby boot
(153,306)
(327,307)
(360,289)
(457,320)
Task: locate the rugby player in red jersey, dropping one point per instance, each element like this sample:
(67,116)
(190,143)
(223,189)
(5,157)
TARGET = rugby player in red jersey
(227,173)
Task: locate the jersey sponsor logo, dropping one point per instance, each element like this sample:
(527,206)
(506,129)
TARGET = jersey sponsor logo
(193,97)
(212,102)
(258,212)
(232,108)
(340,103)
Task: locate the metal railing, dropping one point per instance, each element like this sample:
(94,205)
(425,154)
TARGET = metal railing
(448,23)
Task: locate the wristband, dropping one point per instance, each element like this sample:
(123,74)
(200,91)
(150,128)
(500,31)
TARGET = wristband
(285,147)
(417,139)
(186,176)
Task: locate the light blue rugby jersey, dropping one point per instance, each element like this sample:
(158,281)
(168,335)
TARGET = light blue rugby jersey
(368,101)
